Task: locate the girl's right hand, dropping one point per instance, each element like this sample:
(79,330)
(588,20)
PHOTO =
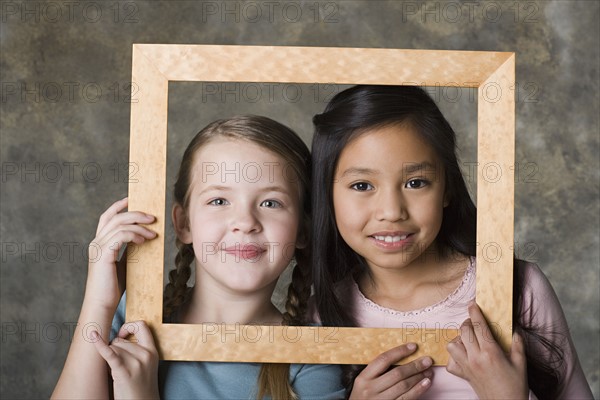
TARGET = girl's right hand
(115,228)
(408,381)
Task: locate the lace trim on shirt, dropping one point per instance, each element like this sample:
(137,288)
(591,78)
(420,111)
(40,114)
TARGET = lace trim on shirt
(448,301)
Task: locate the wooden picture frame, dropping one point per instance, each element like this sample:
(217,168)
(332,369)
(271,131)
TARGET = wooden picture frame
(155,65)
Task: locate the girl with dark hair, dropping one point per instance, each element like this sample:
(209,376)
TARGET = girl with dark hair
(394,235)
(241,214)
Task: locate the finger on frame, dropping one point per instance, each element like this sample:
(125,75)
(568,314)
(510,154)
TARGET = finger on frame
(110,212)
(457,351)
(136,235)
(517,350)
(137,230)
(416,388)
(385,360)
(125,219)
(454,366)
(483,333)
(140,329)
(407,375)
(468,338)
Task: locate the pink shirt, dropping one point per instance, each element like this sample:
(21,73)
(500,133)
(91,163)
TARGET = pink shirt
(539,298)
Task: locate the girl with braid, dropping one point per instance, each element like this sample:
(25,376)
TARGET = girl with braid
(241,214)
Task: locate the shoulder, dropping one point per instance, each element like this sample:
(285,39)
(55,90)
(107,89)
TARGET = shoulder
(539,301)
(317,381)
(532,275)
(532,286)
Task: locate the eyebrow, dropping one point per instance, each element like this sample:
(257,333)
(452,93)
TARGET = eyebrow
(274,188)
(408,168)
(214,187)
(414,167)
(359,171)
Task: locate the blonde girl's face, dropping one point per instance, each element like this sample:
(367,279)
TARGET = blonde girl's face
(388,196)
(243,216)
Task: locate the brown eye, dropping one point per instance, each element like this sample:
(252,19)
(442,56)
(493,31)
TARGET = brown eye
(416,183)
(362,186)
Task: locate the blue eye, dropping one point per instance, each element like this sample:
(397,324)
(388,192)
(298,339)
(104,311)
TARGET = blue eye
(362,186)
(271,204)
(218,202)
(416,184)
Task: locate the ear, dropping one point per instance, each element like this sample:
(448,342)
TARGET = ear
(181,224)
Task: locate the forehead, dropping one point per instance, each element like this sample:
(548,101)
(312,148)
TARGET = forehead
(236,161)
(387,146)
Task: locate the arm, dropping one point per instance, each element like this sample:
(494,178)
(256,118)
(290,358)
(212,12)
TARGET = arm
(85,374)
(543,312)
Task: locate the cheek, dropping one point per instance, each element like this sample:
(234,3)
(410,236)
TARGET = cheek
(430,215)
(206,228)
(290,228)
(286,234)
(347,216)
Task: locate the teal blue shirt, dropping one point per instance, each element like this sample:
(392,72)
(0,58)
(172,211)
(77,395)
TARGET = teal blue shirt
(220,380)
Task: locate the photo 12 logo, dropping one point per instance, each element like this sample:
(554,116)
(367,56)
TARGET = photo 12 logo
(68,92)
(60,252)
(454,12)
(270,11)
(237,333)
(254,92)
(68,171)
(69,11)
(37,332)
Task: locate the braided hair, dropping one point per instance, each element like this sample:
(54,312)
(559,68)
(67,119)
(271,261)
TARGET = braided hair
(273,379)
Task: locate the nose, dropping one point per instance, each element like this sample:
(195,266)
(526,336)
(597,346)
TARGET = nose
(245,220)
(390,205)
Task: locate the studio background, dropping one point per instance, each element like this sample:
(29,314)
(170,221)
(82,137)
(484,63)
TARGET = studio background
(65,74)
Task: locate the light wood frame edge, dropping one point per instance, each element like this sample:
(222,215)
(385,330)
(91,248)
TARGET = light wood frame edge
(154,65)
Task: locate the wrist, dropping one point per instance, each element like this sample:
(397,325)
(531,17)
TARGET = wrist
(94,316)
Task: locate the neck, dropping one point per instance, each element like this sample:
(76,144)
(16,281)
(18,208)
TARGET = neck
(425,281)
(211,303)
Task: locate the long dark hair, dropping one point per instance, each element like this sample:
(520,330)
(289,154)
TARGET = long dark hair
(349,114)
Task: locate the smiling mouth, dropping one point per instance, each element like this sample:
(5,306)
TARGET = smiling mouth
(246,252)
(390,239)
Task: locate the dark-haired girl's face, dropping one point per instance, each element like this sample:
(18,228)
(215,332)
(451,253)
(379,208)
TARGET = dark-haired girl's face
(388,196)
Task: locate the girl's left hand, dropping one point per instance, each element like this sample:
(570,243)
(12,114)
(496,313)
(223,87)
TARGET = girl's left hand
(133,364)
(476,357)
